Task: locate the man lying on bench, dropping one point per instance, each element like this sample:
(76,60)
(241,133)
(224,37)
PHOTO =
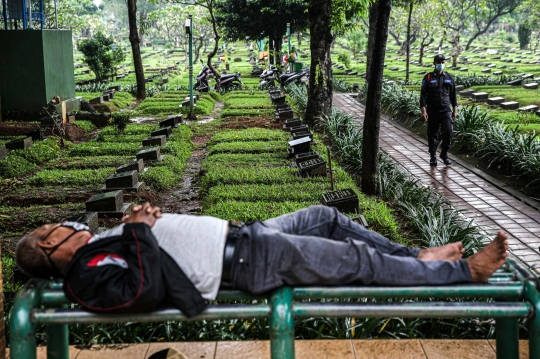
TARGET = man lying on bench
(153,260)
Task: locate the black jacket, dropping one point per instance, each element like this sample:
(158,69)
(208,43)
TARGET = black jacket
(129,274)
(438,92)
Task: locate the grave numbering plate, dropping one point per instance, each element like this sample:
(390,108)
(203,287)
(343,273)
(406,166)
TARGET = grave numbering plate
(127,181)
(345,200)
(151,154)
(88,218)
(313,167)
(301,145)
(305,156)
(135,165)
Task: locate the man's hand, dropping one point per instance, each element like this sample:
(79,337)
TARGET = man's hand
(424,114)
(454,114)
(143,214)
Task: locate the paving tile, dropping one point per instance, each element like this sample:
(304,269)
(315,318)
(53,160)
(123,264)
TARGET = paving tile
(463,349)
(117,351)
(388,349)
(192,350)
(243,350)
(328,349)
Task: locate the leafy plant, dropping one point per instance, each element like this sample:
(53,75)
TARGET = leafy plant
(15,166)
(100,56)
(120,120)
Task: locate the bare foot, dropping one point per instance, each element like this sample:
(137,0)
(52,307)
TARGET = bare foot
(484,263)
(450,252)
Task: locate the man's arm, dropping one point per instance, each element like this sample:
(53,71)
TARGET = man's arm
(119,274)
(453,99)
(423,97)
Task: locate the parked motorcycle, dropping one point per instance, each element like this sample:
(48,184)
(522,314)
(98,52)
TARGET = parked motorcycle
(269,76)
(298,77)
(226,82)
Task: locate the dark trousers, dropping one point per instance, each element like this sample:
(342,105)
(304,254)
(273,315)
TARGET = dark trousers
(320,246)
(444,121)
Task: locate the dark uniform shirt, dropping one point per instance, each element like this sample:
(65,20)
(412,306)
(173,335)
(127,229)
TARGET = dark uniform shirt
(438,92)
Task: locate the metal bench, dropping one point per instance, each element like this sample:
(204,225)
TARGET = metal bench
(514,290)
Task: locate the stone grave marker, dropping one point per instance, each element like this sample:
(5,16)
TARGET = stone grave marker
(510,105)
(293,122)
(502,66)
(296,129)
(479,96)
(88,218)
(493,101)
(108,204)
(514,83)
(305,156)
(135,165)
(284,115)
(498,73)
(151,154)
(486,71)
(36,135)
(3,152)
(464,69)
(313,167)
(531,86)
(300,134)
(96,100)
(155,141)
(115,88)
(110,93)
(346,200)
(106,97)
(166,131)
(459,88)
(466,93)
(361,220)
(127,181)
(19,144)
(527,76)
(301,145)
(530,108)
(171,121)
(491,65)
(511,67)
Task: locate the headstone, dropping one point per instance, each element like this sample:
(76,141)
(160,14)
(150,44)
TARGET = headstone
(71,119)
(297,135)
(530,108)
(527,76)
(486,71)
(127,181)
(394,68)
(346,200)
(155,141)
(278,99)
(464,69)
(466,93)
(115,88)
(495,101)
(478,96)
(361,220)
(531,86)
(305,156)
(296,129)
(171,121)
(313,167)
(36,135)
(96,100)
(301,145)
(497,73)
(284,115)
(3,152)
(491,65)
(166,131)
(459,88)
(510,105)
(88,218)
(294,122)
(110,93)
(151,154)
(19,144)
(514,83)
(501,66)
(108,204)
(135,165)
(511,67)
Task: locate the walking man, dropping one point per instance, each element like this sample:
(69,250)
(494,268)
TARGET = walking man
(437,94)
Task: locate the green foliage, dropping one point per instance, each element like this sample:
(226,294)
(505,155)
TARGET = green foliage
(120,120)
(342,86)
(40,151)
(15,166)
(87,126)
(524,35)
(100,56)
(246,160)
(71,177)
(247,147)
(251,134)
(251,211)
(246,112)
(159,178)
(470,119)
(248,102)
(345,58)
(8,267)
(68,163)
(131,129)
(105,149)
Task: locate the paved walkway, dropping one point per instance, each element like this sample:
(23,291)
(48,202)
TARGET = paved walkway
(305,349)
(491,207)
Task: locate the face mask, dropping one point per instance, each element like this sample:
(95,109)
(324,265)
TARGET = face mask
(76,226)
(439,67)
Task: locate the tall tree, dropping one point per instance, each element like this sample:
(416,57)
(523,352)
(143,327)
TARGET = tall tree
(136,49)
(424,29)
(371,183)
(408,41)
(371,37)
(454,18)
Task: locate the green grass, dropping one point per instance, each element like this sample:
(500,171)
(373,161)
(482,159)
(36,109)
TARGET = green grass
(251,211)
(15,166)
(131,129)
(251,134)
(248,103)
(248,147)
(87,126)
(246,112)
(104,149)
(246,160)
(71,178)
(41,151)
(90,162)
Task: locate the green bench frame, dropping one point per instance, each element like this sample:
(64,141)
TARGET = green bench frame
(515,290)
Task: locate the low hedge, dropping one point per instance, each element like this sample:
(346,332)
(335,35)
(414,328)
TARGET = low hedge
(71,177)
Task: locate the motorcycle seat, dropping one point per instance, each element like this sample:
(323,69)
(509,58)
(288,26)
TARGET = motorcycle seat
(227,76)
(286,76)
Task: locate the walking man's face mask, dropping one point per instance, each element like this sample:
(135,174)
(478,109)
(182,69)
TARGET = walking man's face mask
(77,227)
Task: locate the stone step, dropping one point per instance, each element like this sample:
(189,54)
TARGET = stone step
(495,101)
(529,108)
(510,105)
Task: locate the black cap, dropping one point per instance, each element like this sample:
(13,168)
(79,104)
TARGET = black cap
(438,57)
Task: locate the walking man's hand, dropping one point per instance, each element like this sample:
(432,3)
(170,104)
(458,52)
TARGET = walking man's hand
(454,114)
(424,115)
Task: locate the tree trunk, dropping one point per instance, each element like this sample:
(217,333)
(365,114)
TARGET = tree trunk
(210,8)
(371,37)
(271,50)
(320,78)
(408,40)
(371,183)
(135,49)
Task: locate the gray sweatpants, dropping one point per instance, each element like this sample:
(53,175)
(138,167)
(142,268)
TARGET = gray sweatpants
(320,246)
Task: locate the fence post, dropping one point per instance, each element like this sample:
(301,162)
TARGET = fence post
(282,324)
(507,338)
(531,293)
(57,340)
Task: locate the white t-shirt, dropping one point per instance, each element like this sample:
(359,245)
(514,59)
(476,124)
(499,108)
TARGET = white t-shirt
(196,243)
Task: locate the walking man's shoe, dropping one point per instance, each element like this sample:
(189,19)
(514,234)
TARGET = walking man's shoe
(446,160)
(433,161)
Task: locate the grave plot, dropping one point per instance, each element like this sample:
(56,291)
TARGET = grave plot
(170,103)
